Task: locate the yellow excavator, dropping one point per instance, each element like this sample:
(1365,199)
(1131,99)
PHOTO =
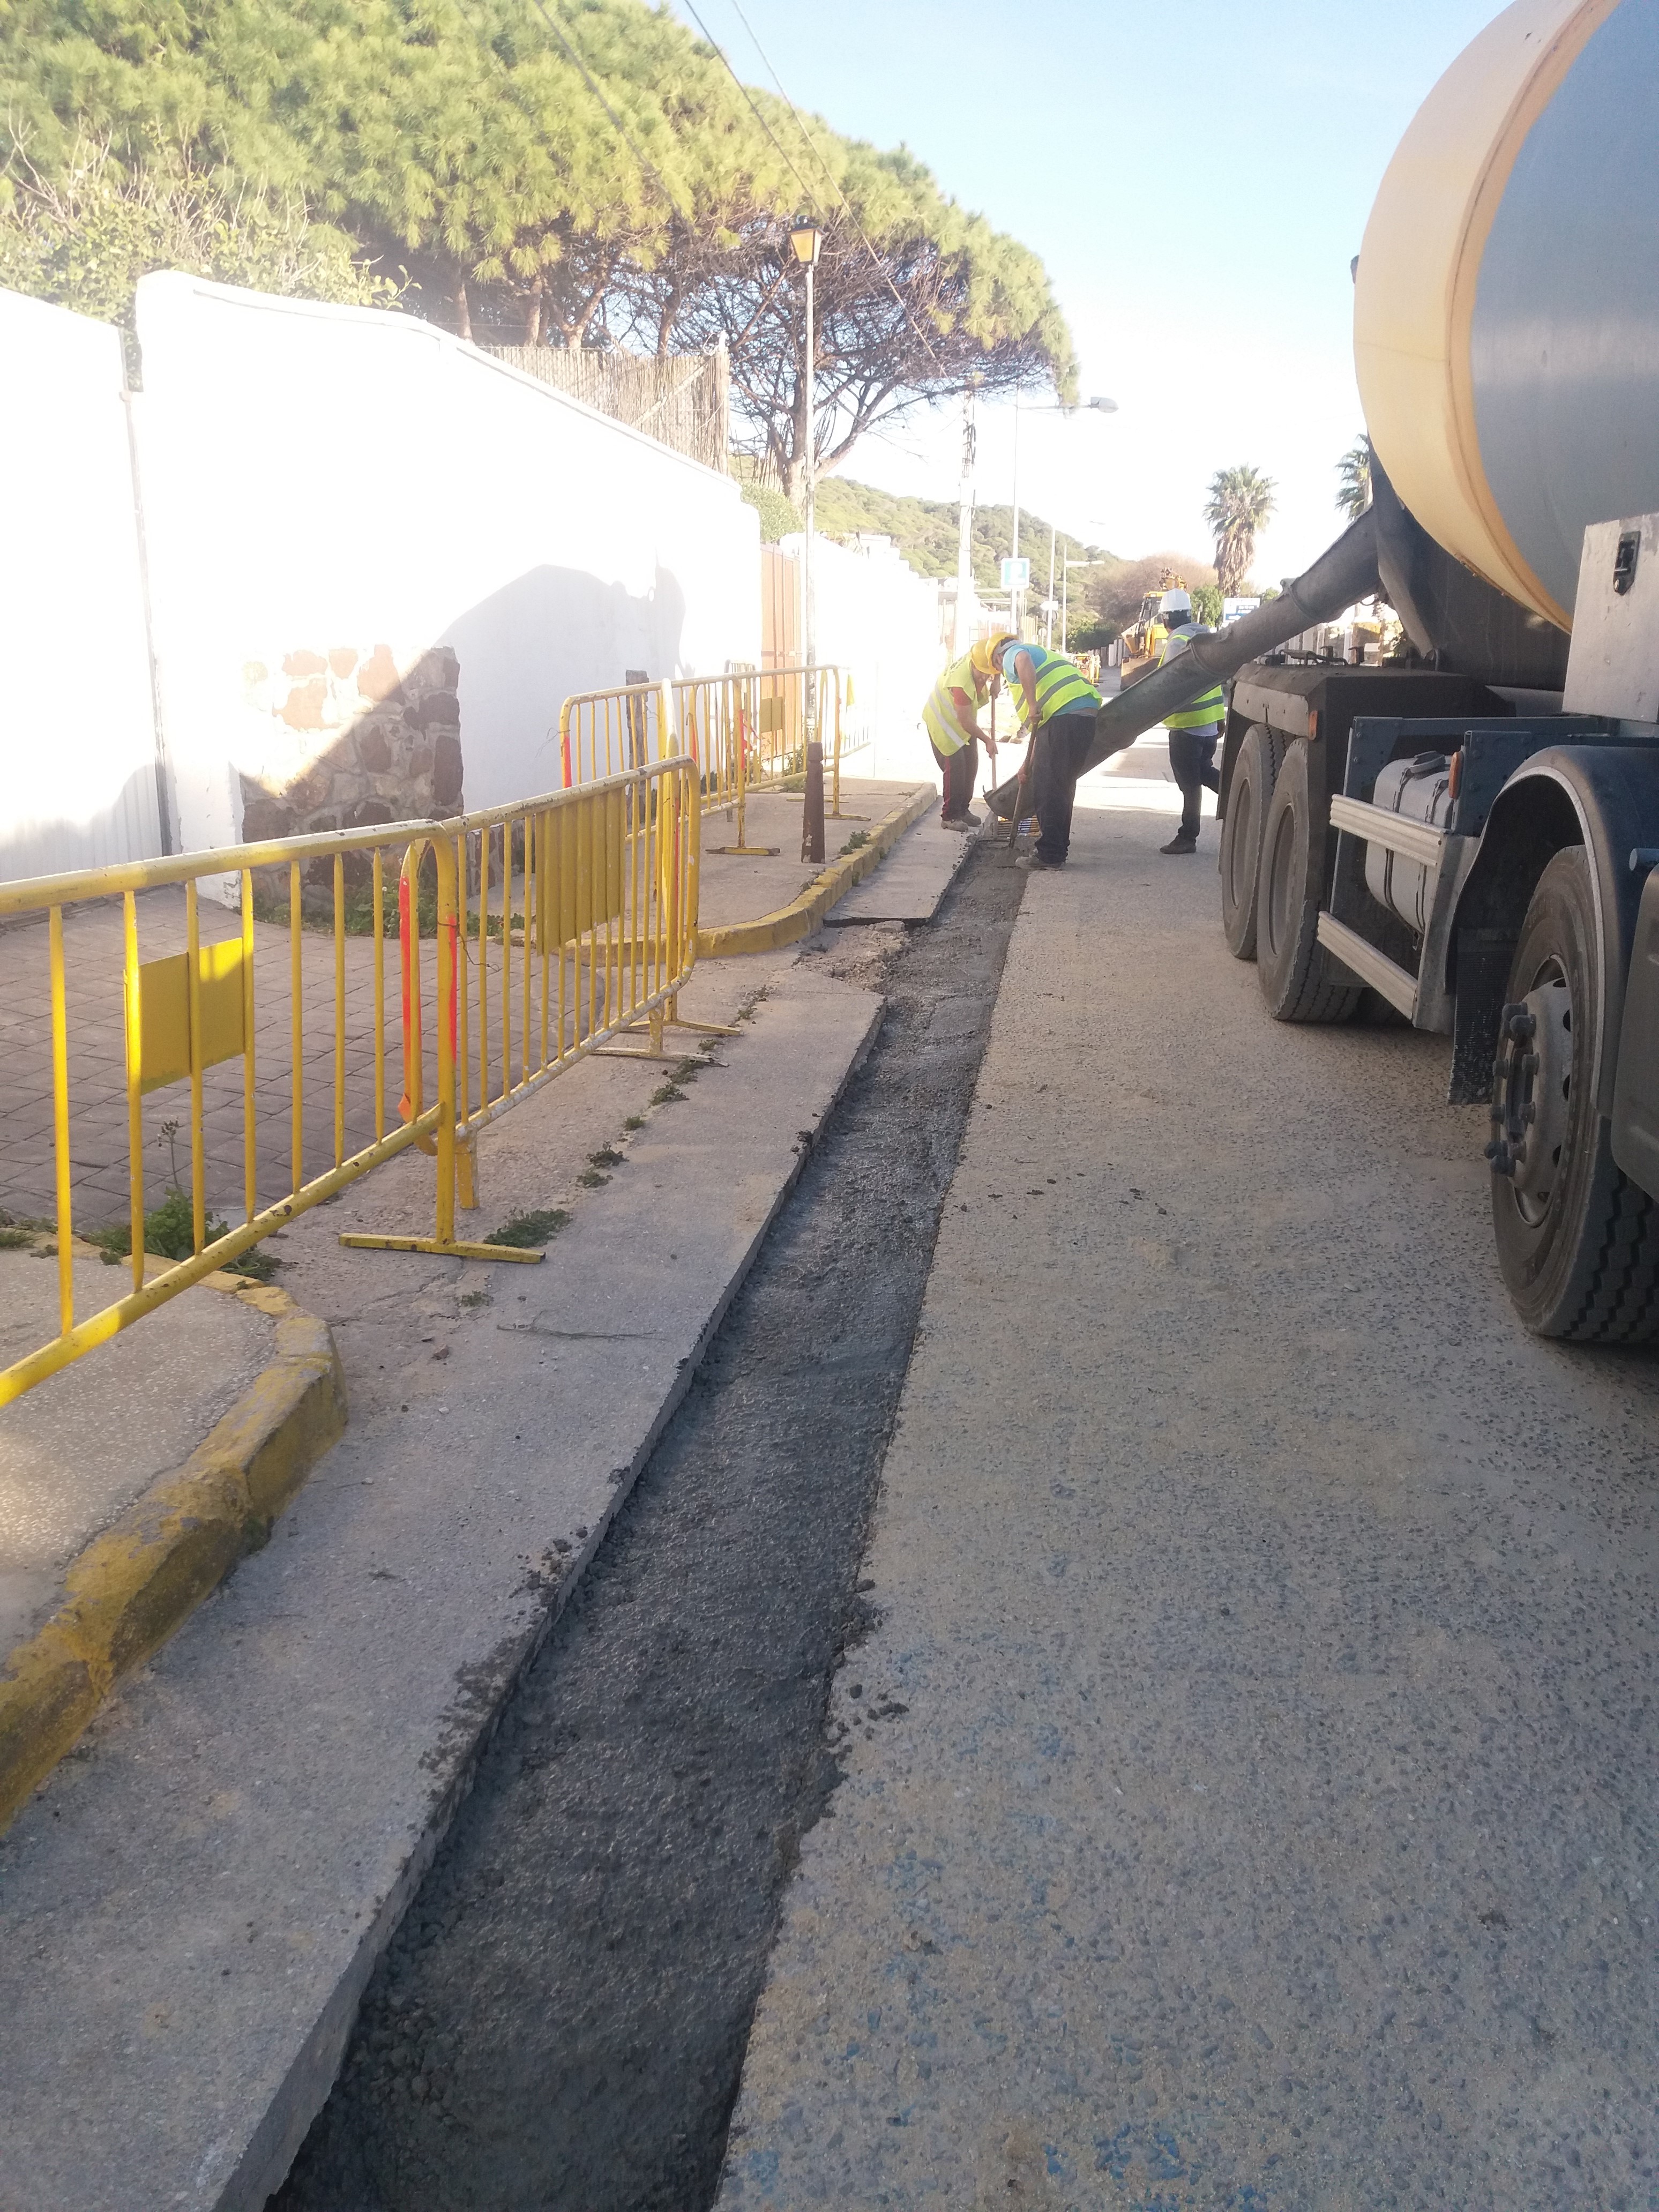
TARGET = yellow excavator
(1143,638)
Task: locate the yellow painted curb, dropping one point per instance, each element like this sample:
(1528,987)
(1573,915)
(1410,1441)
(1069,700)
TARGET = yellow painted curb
(144,1576)
(803,915)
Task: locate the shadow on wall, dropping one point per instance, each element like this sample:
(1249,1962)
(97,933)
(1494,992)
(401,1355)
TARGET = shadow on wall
(348,735)
(549,634)
(122,827)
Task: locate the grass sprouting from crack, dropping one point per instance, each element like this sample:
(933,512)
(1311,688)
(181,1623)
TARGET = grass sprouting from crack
(522,1232)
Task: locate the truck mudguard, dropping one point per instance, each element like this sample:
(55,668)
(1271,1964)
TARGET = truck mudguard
(1603,797)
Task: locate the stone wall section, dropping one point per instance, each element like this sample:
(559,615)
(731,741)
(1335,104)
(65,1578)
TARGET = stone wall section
(351,737)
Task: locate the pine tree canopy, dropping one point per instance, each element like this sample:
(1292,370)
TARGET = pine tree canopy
(456,154)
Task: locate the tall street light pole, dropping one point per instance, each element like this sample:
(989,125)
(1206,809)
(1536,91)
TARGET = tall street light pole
(1099,406)
(807,240)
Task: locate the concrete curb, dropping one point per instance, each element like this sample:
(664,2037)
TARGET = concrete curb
(771,933)
(142,1579)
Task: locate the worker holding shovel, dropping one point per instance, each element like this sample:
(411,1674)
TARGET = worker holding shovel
(951,720)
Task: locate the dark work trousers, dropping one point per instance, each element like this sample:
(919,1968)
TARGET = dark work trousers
(960,769)
(1056,764)
(1192,764)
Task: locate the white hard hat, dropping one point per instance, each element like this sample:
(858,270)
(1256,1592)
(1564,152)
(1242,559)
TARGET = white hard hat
(1175,602)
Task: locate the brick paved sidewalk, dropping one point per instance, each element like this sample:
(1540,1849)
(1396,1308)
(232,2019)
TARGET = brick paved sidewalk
(93,954)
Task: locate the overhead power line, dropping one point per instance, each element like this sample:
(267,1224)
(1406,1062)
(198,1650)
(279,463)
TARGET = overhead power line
(781,153)
(812,146)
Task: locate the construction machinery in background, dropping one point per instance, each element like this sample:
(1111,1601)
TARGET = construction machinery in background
(1136,652)
(1470,832)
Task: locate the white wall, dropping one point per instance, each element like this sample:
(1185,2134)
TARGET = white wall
(875,616)
(78,787)
(317,477)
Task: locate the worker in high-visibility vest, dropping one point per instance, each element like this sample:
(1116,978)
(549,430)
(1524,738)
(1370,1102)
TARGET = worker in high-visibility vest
(1193,732)
(950,719)
(1056,705)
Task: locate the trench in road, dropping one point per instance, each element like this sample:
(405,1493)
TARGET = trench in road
(561,2020)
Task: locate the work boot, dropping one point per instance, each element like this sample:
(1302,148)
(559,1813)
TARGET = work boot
(1184,840)
(1035,863)
(958,820)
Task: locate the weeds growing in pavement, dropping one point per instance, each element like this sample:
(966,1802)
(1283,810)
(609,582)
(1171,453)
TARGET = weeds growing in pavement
(524,1231)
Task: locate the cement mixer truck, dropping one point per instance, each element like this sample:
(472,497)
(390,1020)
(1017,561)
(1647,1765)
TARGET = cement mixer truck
(1471,835)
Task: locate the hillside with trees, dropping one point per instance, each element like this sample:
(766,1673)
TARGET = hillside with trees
(1102,597)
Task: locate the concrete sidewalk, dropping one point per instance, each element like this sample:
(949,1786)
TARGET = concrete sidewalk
(1248,1783)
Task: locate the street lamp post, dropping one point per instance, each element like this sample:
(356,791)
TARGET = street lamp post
(807,240)
(1100,406)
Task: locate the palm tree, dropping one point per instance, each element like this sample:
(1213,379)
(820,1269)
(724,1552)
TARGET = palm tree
(1353,477)
(1240,499)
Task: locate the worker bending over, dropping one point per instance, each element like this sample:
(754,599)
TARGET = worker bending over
(1056,705)
(951,720)
(1194,731)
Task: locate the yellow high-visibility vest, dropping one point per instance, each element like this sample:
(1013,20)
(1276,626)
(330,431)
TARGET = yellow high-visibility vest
(1061,687)
(940,716)
(1206,712)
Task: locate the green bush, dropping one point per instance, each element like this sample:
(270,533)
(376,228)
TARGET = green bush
(778,517)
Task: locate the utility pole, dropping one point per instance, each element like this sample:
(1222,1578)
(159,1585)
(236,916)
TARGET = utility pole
(959,637)
(1049,623)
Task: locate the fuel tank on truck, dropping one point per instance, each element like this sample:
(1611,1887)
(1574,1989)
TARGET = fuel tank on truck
(1506,302)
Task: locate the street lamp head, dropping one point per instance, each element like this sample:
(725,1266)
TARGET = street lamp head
(807,240)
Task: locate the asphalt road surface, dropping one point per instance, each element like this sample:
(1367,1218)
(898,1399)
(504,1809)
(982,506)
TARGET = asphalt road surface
(1250,1794)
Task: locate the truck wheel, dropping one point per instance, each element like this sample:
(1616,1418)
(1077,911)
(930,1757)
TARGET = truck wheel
(1299,980)
(1578,1241)
(1254,776)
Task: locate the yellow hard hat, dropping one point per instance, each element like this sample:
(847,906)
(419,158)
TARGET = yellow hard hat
(984,655)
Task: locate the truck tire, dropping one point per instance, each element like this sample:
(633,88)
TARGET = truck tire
(1577,1241)
(1299,980)
(1247,800)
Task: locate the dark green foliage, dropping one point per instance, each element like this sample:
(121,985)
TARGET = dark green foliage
(169,1234)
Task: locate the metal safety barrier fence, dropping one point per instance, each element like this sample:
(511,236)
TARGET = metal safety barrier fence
(525,936)
(747,730)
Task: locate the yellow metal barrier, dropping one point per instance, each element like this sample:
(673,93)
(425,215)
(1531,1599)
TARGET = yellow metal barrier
(493,1003)
(605,877)
(603,733)
(747,732)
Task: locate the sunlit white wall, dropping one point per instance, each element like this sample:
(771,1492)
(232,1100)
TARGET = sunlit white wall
(318,474)
(80,785)
(879,621)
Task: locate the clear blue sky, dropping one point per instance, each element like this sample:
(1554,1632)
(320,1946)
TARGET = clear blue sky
(1197,180)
